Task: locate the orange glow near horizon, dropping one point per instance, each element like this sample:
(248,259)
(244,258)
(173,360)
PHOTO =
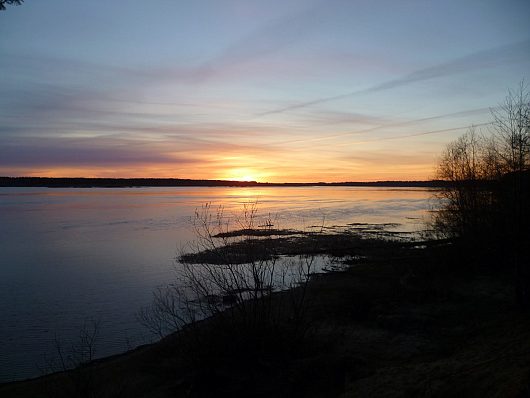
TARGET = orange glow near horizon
(198,172)
(305,165)
(243,174)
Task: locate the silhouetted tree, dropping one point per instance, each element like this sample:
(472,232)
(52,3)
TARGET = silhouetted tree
(465,163)
(4,2)
(511,121)
(512,137)
(487,200)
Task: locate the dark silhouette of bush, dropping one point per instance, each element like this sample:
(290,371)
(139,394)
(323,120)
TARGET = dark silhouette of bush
(468,202)
(513,230)
(236,311)
(484,208)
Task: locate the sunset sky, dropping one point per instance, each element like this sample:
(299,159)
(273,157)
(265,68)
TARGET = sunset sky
(252,90)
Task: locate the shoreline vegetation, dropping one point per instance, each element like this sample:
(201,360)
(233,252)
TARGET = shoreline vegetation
(396,318)
(402,317)
(50,182)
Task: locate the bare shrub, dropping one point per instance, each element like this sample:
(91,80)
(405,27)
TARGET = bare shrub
(74,360)
(236,279)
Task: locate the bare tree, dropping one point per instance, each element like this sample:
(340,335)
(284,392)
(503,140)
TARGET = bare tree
(460,159)
(512,136)
(487,200)
(492,168)
(467,163)
(511,122)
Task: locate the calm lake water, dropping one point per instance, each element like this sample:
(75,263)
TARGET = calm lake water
(69,256)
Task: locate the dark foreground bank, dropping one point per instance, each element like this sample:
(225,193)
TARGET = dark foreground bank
(403,320)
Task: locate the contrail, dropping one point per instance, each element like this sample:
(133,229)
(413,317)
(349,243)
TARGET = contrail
(397,137)
(399,124)
(486,58)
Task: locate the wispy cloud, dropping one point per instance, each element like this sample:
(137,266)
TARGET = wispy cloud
(121,150)
(268,38)
(422,133)
(514,52)
(401,123)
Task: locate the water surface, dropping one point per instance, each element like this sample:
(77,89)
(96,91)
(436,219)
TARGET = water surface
(72,255)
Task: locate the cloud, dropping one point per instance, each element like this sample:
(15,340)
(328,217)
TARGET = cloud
(514,52)
(398,137)
(328,118)
(403,123)
(121,150)
(57,153)
(266,39)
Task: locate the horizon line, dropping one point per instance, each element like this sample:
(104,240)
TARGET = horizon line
(183,181)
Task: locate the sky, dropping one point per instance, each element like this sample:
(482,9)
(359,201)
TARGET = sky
(288,90)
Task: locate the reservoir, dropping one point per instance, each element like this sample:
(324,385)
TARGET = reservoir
(72,256)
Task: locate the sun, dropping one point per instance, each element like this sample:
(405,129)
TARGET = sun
(241,174)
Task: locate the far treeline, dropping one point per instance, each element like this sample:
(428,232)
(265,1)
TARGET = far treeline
(486,207)
(180,182)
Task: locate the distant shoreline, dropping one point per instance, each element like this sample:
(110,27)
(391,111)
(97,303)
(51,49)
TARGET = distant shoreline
(49,182)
